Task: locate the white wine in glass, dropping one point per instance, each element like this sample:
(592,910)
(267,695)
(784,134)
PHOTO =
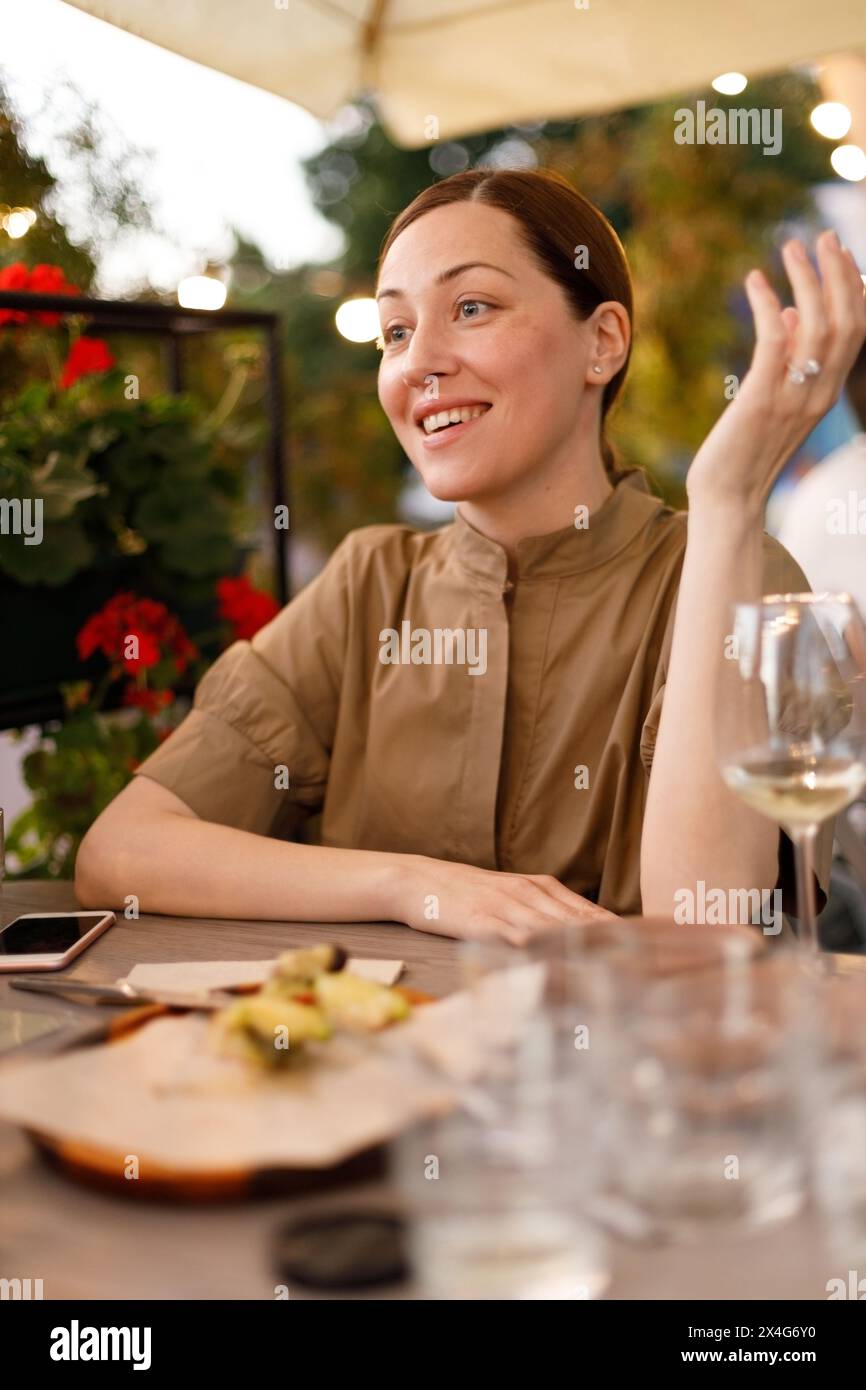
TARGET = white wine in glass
(791,719)
(797,790)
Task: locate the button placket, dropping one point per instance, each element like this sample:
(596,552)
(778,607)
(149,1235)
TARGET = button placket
(485,733)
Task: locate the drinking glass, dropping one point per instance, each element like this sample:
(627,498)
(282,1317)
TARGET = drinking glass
(496,1190)
(706,1084)
(790,719)
(599,986)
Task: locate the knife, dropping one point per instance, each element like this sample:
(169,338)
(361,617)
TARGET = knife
(129,995)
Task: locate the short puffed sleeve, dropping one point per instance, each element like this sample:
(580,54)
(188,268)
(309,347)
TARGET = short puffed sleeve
(254,750)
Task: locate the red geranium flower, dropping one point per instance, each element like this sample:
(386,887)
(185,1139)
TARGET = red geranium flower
(182,649)
(14,277)
(104,631)
(86,356)
(140,649)
(246,608)
(152,701)
(49,279)
(158,631)
(42,279)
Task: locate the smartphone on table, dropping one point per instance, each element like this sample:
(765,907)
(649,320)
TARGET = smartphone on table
(50,940)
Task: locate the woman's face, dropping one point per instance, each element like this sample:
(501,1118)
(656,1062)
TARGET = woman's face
(468,318)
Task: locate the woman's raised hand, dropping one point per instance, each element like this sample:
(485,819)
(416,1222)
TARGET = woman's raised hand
(772,414)
(461,900)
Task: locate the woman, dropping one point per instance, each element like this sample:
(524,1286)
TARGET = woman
(506,723)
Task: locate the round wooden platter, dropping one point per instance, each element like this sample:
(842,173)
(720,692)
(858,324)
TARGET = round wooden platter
(105,1169)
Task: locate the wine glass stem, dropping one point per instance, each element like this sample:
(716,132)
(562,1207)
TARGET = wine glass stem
(803,837)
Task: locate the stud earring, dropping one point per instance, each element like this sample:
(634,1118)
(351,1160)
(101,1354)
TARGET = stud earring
(597,369)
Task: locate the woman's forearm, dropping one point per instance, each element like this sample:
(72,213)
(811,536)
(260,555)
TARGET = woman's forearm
(176,863)
(695,828)
(149,847)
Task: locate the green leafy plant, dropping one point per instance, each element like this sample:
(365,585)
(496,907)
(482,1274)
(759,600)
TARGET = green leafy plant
(150,478)
(142,501)
(82,762)
(76,770)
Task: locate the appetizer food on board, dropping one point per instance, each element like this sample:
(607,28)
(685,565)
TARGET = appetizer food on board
(306,999)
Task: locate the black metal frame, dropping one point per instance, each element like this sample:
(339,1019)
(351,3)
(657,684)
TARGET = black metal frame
(174,324)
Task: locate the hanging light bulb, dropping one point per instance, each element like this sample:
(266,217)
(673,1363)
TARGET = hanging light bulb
(358,320)
(831,119)
(201,292)
(18,222)
(730,84)
(849,162)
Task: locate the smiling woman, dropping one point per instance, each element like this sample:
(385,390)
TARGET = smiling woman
(541,325)
(575,776)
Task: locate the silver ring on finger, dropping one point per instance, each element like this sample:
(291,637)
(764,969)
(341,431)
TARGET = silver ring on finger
(798,375)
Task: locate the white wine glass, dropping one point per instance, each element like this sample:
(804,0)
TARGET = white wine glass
(790,719)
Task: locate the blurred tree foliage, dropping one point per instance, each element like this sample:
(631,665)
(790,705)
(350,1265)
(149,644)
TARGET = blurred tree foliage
(26,181)
(693,219)
(76,218)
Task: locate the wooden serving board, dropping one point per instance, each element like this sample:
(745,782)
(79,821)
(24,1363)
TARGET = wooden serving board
(104,1169)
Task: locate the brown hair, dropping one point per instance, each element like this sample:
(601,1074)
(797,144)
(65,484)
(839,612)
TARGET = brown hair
(553,220)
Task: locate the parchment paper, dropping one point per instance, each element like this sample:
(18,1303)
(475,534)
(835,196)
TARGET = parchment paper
(162,1094)
(226,974)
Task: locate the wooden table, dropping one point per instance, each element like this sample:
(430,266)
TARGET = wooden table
(85,1245)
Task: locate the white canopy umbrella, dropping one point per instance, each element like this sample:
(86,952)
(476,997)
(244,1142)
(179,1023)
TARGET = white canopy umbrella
(439,69)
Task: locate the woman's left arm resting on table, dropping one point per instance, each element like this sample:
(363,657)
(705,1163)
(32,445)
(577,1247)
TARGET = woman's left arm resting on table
(695,828)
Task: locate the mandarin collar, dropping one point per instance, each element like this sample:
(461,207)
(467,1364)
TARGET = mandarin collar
(611,528)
